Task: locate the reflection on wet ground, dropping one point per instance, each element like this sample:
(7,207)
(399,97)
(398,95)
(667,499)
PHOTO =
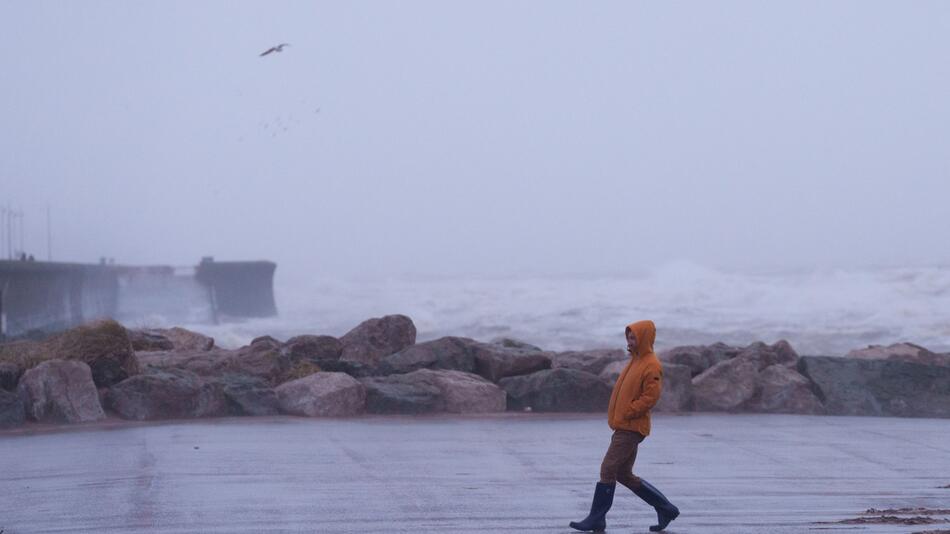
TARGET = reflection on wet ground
(530,473)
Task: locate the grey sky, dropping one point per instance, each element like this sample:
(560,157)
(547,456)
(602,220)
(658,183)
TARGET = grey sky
(480,137)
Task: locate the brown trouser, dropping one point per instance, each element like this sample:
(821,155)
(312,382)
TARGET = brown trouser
(618,462)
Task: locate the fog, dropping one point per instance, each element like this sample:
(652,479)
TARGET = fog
(479,138)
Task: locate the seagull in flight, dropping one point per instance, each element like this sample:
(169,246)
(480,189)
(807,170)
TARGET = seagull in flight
(278,48)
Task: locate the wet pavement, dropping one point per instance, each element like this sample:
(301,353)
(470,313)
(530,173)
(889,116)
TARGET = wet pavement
(513,472)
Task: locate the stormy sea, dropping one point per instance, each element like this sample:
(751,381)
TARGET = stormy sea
(826,312)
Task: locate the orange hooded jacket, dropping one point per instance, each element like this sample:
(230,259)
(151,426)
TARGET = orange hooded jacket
(638,387)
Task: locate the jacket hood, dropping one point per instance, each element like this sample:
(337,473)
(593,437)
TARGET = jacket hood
(646,335)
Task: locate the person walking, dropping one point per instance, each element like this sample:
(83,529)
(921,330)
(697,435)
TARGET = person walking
(636,392)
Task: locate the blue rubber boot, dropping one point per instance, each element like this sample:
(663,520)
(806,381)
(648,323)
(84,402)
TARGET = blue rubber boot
(596,521)
(665,511)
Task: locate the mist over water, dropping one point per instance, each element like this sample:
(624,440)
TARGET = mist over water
(501,146)
(825,312)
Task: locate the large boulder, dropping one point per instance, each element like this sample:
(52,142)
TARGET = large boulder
(314,348)
(59,391)
(850,386)
(201,362)
(779,353)
(12,412)
(19,356)
(406,393)
(103,345)
(677,393)
(183,339)
(430,391)
(269,342)
(726,386)
(465,392)
(9,375)
(374,338)
(495,365)
(761,378)
(298,369)
(589,361)
(166,394)
(700,357)
(248,395)
(166,339)
(517,344)
(496,361)
(322,395)
(905,352)
(262,359)
(354,369)
(557,390)
(455,353)
(784,390)
(488,360)
(322,353)
(147,341)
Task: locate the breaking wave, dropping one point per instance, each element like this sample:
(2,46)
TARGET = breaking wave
(819,312)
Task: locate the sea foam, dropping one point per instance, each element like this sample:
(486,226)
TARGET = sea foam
(819,312)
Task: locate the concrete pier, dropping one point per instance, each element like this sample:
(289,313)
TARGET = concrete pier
(39,298)
(47,297)
(512,472)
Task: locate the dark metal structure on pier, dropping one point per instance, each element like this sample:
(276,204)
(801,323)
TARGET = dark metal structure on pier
(38,298)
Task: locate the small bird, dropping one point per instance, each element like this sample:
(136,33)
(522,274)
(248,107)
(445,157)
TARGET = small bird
(278,48)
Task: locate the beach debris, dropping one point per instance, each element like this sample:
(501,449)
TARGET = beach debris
(908,511)
(896,516)
(888,520)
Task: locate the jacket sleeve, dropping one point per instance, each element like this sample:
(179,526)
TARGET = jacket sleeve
(652,384)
